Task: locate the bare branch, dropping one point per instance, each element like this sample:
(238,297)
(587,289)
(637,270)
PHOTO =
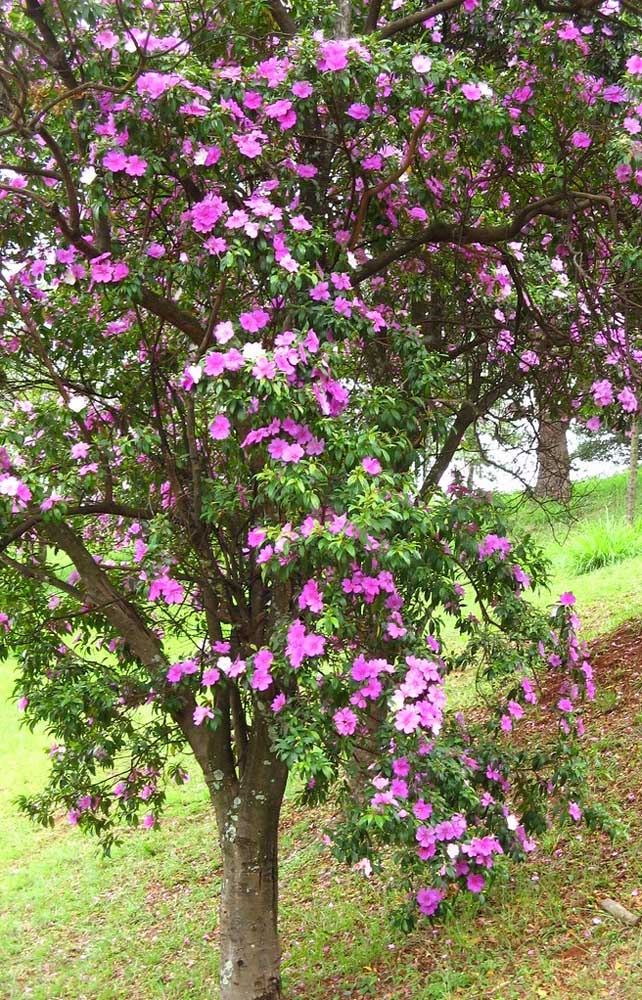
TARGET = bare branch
(282,18)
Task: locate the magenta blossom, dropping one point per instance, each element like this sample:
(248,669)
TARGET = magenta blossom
(371,465)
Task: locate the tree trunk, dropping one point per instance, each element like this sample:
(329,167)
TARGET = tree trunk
(553,462)
(632,485)
(250,954)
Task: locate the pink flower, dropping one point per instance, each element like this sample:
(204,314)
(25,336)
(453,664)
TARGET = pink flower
(565,705)
(135,166)
(371,465)
(156,251)
(261,679)
(320,293)
(634,65)
(581,140)
(345,721)
(334,57)
(492,544)
(567,599)
(148,821)
(256,537)
(574,811)
(220,428)
(422,810)
(164,586)
(210,677)
(311,598)
(602,392)
(254,320)
(102,271)
(428,900)
(278,703)
(206,213)
(302,89)
(300,224)
(360,112)
(264,369)
(22,703)
(214,364)
(522,578)
(115,160)
(106,40)
(249,145)
(421,64)
(407,720)
(202,712)
(223,332)
(475,883)
(628,400)
(471,91)
(155,84)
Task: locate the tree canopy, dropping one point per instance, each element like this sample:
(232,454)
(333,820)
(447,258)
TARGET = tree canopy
(263,266)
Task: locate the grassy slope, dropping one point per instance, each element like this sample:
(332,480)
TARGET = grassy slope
(143,925)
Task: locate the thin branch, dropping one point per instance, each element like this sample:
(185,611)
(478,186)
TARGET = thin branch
(386,181)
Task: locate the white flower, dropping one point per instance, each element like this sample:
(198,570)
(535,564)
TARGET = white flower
(252,351)
(88,175)
(77,403)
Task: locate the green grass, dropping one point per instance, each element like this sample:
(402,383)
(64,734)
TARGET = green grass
(603,543)
(142,925)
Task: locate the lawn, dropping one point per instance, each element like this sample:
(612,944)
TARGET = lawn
(143,924)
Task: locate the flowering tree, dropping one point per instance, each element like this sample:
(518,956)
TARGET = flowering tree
(263,266)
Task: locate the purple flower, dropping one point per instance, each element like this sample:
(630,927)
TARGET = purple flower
(428,900)
(278,703)
(574,811)
(602,392)
(345,721)
(475,883)
(360,112)
(471,91)
(581,140)
(628,400)
(567,599)
(220,428)
(371,465)
(202,712)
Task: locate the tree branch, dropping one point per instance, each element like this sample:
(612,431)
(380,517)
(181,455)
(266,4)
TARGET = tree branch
(422,15)
(446,232)
(374,9)
(56,57)
(212,751)
(282,18)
